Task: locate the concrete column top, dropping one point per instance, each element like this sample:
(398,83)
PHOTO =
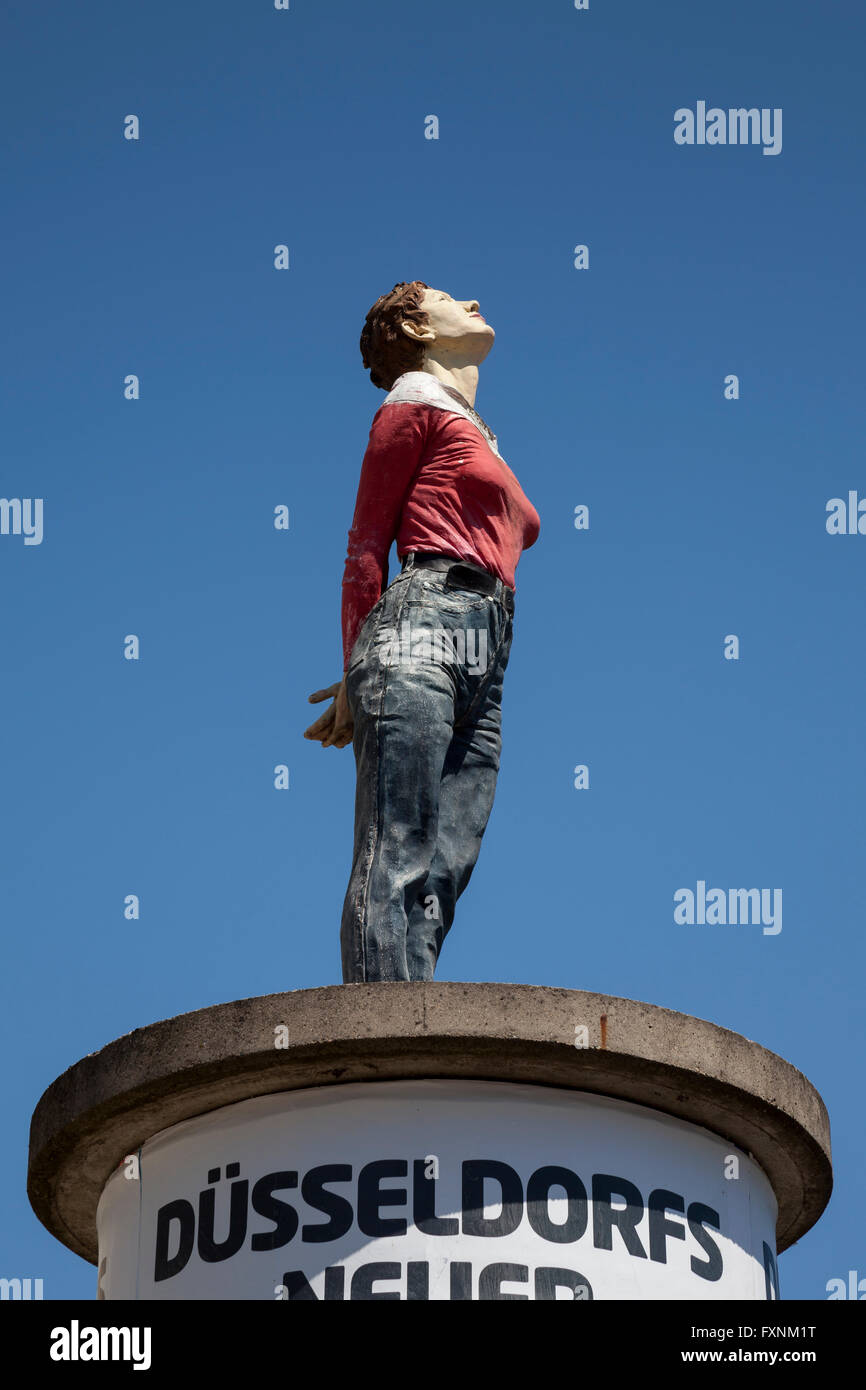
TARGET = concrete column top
(112,1101)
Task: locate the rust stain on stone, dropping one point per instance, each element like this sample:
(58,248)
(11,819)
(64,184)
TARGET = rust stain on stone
(604,1030)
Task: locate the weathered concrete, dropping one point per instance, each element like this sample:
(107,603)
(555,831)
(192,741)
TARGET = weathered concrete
(110,1102)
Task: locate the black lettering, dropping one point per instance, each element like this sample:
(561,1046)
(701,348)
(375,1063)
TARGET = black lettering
(316,1195)
(364,1278)
(698,1216)
(771,1274)
(605,1217)
(547,1281)
(475,1172)
(424,1205)
(461,1282)
(659,1226)
(417,1280)
(298,1287)
(538,1210)
(284,1217)
(371,1198)
(492,1277)
(299,1291)
(209,1249)
(166,1267)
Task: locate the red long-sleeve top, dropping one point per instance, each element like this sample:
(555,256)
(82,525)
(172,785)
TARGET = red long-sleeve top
(433,480)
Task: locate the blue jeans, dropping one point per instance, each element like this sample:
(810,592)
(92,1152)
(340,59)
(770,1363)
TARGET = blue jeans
(424,685)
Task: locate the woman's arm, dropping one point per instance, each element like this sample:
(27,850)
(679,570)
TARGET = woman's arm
(394,451)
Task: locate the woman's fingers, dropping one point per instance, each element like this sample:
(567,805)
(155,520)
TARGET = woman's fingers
(322,724)
(342,732)
(341,738)
(319,695)
(335,728)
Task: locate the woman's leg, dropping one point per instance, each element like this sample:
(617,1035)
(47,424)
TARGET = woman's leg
(403,728)
(427,743)
(465,801)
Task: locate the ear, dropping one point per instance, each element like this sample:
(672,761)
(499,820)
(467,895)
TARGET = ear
(420,335)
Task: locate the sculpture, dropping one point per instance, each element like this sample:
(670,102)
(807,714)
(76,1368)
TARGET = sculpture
(424,656)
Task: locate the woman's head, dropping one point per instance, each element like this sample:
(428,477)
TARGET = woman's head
(413,322)
(385,348)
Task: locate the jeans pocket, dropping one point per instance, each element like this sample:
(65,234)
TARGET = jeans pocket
(365,635)
(377,616)
(452,599)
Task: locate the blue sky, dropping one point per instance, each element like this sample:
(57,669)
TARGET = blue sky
(605,388)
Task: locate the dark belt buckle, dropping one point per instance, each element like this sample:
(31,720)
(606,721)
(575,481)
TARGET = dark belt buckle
(466,577)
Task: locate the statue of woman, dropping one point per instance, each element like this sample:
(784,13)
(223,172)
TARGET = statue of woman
(424,657)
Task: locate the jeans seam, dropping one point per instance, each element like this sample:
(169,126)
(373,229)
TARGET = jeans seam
(380,604)
(485,684)
(377,831)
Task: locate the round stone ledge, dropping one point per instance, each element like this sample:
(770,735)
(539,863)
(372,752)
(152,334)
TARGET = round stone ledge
(108,1104)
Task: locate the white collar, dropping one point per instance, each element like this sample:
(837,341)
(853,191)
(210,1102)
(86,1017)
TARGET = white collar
(428,389)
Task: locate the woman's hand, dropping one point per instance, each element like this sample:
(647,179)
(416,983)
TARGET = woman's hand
(335,727)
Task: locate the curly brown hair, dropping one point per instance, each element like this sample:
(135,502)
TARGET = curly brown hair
(385,349)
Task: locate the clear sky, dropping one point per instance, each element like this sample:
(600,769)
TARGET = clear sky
(606,387)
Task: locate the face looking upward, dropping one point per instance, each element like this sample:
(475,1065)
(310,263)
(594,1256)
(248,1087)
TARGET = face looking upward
(456,332)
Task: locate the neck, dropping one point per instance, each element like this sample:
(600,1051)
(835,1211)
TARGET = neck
(462,378)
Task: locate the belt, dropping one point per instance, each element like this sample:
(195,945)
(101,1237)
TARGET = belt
(463,575)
